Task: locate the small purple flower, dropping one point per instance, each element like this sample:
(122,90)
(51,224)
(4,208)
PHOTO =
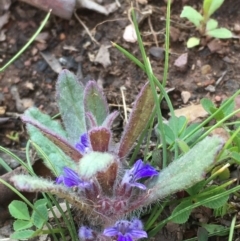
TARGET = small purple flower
(83,144)
(138,171)
(71,179)
(126,231)
(85,233)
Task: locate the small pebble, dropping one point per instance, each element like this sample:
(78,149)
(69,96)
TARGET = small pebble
(62,36)
(27,63)
(210,88)
(218,98)
(206,69)
(236,28)
(185,95)
(34,51)
(182,62)
(157,53)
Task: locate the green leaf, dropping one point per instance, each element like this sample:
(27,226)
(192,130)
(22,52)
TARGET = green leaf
(236,157)
(221,33)
(214,5)
(46,120)
(206,6)
(215,191)
(40,202)
(19,210)
(71,105)
(142,109)
(193,136)
(211,24)
(183,146)
(187,170)
(95,102)
(23,234)
(208,105)
(213,228)
(38,220)
(202,234)
(229,108)
(192,15)
(193,42)
(196,188)
(169,134)
(21,224)
(57,159)
(183,217)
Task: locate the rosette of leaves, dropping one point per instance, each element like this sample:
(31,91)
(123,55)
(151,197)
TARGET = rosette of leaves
(206,25)
(82,152)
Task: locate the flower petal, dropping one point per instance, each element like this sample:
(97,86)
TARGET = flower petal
(137,233)
(112,231)
(146,171)
(136,224)
(85,233)
(83,144)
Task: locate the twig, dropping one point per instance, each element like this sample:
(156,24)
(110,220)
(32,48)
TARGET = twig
(153,31)
(122,88)
(86,29)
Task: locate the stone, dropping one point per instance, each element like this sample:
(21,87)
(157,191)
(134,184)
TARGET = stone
(181,62)
(157,52)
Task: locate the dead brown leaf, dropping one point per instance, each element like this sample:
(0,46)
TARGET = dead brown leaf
(192,112)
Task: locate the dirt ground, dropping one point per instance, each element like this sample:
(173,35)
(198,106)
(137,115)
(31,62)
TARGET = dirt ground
(210,71)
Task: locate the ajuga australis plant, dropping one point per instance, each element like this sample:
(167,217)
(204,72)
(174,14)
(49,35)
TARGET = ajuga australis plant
(91,169)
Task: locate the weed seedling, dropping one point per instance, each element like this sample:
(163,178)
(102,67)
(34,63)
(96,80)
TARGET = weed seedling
(205,25)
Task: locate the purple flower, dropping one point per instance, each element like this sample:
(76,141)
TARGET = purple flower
(138,171)
(83,144)
(71,179)
(85,233)
(126,231)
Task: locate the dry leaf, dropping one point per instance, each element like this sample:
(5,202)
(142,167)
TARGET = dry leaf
(192,112)
(103,56)
(4,19)
(52,61)
(142,1)
(2,110)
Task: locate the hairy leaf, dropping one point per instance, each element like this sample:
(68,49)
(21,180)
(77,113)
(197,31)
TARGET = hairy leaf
(95,102)
(110,119)
(100,139)
(59,141)
(57,159)
(94,162)
(45,120)
(142,109)
(71,105)
(187,170)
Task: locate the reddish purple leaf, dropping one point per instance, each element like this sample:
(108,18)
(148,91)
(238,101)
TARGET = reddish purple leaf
(100,138)
(110,119)
(59,141)
(141,112)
